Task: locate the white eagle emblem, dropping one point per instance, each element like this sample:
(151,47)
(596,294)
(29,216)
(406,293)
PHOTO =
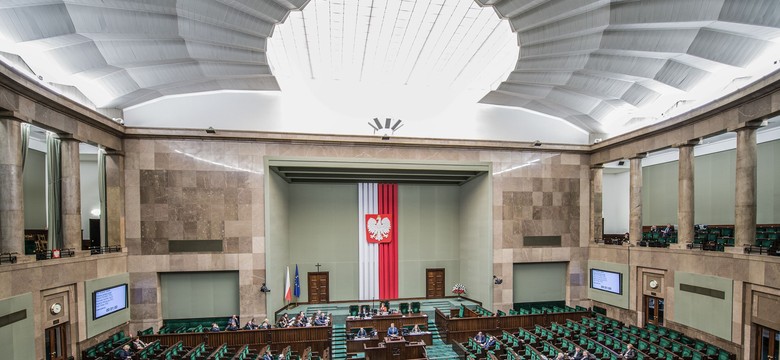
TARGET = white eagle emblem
(378,228)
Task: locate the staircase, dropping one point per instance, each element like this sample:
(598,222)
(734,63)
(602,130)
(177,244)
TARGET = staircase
(338,343)
(439,350)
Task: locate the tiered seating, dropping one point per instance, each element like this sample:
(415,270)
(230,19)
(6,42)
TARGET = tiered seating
(545,309)
(482,311)
(766,241)
(116,341)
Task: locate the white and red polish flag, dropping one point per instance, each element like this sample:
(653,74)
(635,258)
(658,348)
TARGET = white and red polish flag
(287,289)
(377,243)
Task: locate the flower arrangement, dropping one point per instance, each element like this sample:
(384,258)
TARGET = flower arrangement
(459,289)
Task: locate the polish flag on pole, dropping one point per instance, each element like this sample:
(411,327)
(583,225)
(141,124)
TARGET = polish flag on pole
(287,289)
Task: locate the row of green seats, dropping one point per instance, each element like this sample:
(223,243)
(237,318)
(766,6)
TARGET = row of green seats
(172,352)
(482,311)
(220,353)
(106,345)
(149,351)
(699,345)
(196,352)
(510,340)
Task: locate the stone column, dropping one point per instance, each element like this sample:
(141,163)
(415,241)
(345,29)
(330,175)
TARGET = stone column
(11,191)
(685,194)
(745,201)
(635,202)
(70,186)
(115,198)
(596,202)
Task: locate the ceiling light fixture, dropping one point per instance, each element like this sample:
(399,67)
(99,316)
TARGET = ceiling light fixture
(385,129)
(211,130)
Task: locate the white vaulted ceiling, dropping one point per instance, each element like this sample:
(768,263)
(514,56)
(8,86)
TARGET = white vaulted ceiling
(120,53)
(604,66)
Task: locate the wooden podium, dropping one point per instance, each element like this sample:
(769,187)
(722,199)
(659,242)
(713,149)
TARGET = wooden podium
(395,348)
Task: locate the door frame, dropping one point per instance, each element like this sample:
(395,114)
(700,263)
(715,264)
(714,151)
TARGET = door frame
(645,304)
(51,343)
(772,340)
(309,278)
(443,275)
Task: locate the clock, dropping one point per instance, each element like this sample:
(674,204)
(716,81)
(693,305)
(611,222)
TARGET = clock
(55,308)
(653,284)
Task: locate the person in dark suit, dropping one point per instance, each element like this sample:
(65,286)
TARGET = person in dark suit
(630,352)
(362,333)
(125,353)
(576,354)
(480,338)
(268,355)
(283,322)
(392,331)
(231,327)
(491,341)
(250,325)
(265,325)
(667,231)
(214,327)
(588,356)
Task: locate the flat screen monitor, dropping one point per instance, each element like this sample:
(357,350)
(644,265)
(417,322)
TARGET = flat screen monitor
(109,300)
(611,282)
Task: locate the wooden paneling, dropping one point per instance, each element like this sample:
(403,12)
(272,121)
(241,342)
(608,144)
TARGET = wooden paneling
(319,287)
(434,283)
(460,329)
(382,322)
(318,337)
(354,346)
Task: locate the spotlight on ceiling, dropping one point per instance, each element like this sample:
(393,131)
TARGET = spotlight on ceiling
(621,162)
(211,130)
(537,143)
(497,280)
(264,289)
(387,128)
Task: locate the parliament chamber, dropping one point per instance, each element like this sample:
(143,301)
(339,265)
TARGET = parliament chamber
(469,179)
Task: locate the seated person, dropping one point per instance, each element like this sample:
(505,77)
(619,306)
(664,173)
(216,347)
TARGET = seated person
(415,329)
(303,318)
(268,355)
(587,356)
(231,326)
(250,325)
(560,357)
(667,231)
(320,319)
(361,334)
(489,343)
(265,325)
(382,308)
(125,353)
(392,331)
(480,338)
(214,327)
(576,354)
(138,344)
(653,229)
(283,322)
(233,320)
(630,352)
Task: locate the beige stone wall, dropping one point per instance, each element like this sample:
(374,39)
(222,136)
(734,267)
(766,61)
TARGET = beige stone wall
(60,279)
(747,271)
(200,190)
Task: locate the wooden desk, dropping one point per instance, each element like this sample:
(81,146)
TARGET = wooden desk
(398,348)
(382,322)
(357,345)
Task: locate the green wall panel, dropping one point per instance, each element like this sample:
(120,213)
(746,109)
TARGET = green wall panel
(539,282)
(199,294)
(606,297)
(706,313)
(428,236)
(768,183)
(476,240)
(323,228)
(277,250)
(95,327)
(17,340)
(35,190)
(659,194)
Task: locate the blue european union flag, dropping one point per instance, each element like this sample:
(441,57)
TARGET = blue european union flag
(297,288)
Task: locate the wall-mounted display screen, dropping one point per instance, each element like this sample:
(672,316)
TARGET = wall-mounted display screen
(608,281)
(109,300)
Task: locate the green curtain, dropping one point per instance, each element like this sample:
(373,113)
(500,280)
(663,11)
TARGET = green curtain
(102,192)
(53,202)
(25,142)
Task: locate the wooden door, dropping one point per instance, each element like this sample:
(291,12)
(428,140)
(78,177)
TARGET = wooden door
(767,344)
(434,283)
(654,310)
(56,342)
(318,287)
